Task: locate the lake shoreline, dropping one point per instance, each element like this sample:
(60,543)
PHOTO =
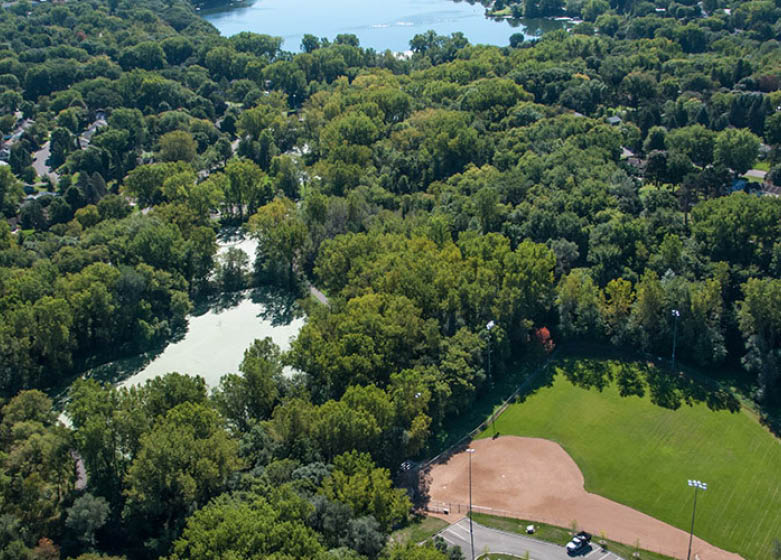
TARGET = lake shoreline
(379,27)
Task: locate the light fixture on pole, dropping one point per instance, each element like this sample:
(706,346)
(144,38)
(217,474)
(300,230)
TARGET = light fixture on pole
(697,485)
(471,533)
(488,327)
(676,314)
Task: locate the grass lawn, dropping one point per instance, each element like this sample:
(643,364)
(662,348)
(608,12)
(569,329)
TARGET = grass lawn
(641,454)
(559,535)
(419,530)
(543,531)
(762,165)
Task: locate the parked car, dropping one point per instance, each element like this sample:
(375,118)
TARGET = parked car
(578,542)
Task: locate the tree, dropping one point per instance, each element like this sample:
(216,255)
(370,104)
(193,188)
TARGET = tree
(250,397)
(231,270)
(773,129)
(655,140)
(145,182)
(36,463)
(649,317)
(11,192)
(578,302)
(701,329)
(183,462)
(107,426)
(516,40)
(364,536)
(759,317)
(177,145)
(309,43)
(592,9)
(371,337)
(367,489)
(88,216)
(736,149)
(281,234)
(248,187)
(696,141)
(20,157)
(85,516)
(236,527)
(639,87)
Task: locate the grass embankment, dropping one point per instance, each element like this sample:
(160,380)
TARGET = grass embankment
(559,535)
(639,453)
(419,530)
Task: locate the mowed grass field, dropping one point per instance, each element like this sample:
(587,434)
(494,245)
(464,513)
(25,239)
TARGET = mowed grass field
(641,454)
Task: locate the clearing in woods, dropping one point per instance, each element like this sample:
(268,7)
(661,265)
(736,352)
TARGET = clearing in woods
(636,452)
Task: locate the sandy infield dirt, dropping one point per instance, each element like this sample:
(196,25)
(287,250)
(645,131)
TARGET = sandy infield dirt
(533,478)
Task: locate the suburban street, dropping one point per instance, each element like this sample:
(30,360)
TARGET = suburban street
(41,167)
(493,540)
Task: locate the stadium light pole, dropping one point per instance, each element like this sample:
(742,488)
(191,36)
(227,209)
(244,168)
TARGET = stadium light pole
(697,485)
(471,533)
(488,327)
(676,314)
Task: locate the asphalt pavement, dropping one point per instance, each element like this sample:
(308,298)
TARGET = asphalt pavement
(493,540)
(41,167)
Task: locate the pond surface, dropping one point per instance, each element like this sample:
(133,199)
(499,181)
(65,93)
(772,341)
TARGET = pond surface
(378,24)
(217,334)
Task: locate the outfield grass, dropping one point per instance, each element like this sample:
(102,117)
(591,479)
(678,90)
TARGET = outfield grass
(641,454)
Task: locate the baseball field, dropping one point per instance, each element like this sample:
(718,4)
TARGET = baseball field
(637,437)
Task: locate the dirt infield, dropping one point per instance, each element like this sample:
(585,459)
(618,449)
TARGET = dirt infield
(532,478)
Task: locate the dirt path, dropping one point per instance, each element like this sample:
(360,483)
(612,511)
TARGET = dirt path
(536,479)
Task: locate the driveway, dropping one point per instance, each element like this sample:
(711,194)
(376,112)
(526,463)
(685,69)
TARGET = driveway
(756,173)
(493,540)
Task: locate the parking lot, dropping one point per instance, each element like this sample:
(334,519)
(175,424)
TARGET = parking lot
(493,540)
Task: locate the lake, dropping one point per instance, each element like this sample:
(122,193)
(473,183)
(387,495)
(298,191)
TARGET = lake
(218,332)
(378,25)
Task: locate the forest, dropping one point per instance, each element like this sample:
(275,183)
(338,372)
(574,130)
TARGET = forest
(576,188)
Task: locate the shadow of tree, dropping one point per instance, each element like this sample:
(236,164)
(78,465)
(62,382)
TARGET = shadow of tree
(633,378)
(230,234)
(217,302)
(630,383)
(280,306)
(587,372)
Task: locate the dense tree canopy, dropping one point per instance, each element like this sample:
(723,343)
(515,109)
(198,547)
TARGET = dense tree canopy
(579,186)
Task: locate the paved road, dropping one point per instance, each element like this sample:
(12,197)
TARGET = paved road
(318,294)
(492,540)
(41,167)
